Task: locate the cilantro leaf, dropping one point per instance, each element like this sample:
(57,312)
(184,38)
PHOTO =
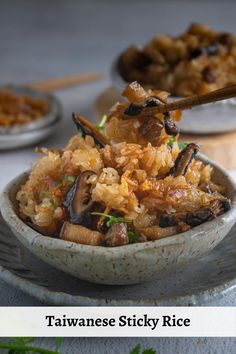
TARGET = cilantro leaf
(112,219)
(182,145)
(21,345)
(23,340)
(58,342)
(136,350)
(133,236)
(149,351)
(171,141)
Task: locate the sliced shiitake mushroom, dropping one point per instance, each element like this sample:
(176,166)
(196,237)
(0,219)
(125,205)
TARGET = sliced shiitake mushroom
(87,128)
(151,130)
(217,207)
(183,160)
(170,127)
(140,100)
(135,109)
(78,201)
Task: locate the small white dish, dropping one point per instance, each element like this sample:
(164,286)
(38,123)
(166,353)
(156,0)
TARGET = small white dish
(31,133)
(27,138)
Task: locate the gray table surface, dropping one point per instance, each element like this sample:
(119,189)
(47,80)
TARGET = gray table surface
(45,39)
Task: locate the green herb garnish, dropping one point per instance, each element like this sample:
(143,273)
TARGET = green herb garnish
(137,350)
(22,345)
(171,141)
(182,144)
(149,351)
(133,236)
(112,219)
(100,126)
(23,340)
(58,343)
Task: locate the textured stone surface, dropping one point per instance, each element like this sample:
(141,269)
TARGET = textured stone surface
(43,39)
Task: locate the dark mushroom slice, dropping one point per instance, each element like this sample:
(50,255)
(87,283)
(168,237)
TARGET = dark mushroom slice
(183,160)
(170,127)
(134,109)
(78,202)
(151,130)
(117,235)
(216,207)
(86,128)
(152,102)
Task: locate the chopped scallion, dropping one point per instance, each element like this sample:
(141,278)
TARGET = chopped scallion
(112,219)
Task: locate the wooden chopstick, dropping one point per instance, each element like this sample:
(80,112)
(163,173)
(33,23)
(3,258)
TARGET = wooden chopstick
(67,81)
(189,102)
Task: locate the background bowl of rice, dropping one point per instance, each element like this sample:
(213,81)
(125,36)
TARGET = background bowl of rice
(204,120)
(130,264)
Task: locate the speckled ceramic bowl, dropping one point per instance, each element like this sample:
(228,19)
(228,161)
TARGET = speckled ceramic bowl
(129,264)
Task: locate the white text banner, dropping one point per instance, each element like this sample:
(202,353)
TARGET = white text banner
(118,321)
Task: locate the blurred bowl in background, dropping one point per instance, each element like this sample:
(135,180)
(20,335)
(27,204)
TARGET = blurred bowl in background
(20,135)
(213,118)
